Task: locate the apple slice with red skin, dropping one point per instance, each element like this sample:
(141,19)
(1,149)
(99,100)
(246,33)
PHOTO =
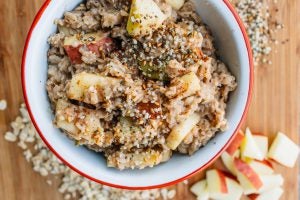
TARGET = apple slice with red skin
(216,182)
(246,175)
(262,167)
(236,143)
(273,194)
(97,43)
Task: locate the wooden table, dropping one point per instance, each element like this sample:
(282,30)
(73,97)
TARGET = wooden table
(275,104)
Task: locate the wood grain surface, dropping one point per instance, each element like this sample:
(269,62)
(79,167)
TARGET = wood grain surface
(275,104)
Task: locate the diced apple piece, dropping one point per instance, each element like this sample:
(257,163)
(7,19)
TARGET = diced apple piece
(284,151)
(145,17)
(176,4)
(96,42)
(191,83)
(268,182)
(216,182)
(235,191)
(91,88)
(180,131)
(249,148)
(248,178)
(228,161)
(262,167)
(262,143)
(236,143)
(200,190)
(67,117)
(273,194)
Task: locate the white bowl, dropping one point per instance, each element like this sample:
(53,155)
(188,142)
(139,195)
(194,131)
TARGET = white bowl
(234,50)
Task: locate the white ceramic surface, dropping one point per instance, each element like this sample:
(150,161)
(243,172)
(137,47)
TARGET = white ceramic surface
(233,51)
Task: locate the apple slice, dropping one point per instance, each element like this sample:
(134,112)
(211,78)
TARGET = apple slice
(216,182)
(228,161)
(184,86)
(262,167)
(191,83)
(262,143)
(273,194)
(236,143)
(235,191)
(200,190)
(284,151)
(97,43)
(91,88)
(248,178)
(180,131)
(176,4)
(145,17)
(269,182)
(249,148)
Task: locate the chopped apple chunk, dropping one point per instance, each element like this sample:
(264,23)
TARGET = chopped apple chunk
(247,177)
(249,148)
(91,88)
(184,86)
(284,151)
(262,143)
(81,123)
(180,131)
(228,161)
(200,190)
(235,191)
(97,43)
(262,167)
(273,194)
(145,17)
(216,182)
(176,4)
(268,182)
(235,144)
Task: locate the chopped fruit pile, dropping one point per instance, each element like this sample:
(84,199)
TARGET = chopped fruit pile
(248,159)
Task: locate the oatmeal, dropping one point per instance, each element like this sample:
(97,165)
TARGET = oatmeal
(137,81)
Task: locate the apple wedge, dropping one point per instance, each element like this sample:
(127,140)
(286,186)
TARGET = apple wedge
(235,191)
(227,160)
(268,182)
(191,83)
(176,4)
(247,177)
(91,88)
(284,151)
(216,182)
(145,17)
(249,148)
(273,194)
(262,167)
(200,190)
(68,119)
(236,143)
(97,43)
(262,143)
(180,131)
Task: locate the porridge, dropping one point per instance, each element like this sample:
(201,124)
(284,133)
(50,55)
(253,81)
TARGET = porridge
(137,81)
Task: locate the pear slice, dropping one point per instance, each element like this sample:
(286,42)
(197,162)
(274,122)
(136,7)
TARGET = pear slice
(145,16)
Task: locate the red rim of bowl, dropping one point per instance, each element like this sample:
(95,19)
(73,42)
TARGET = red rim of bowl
(246,39)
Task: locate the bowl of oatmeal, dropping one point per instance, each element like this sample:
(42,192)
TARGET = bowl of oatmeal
(139,94)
